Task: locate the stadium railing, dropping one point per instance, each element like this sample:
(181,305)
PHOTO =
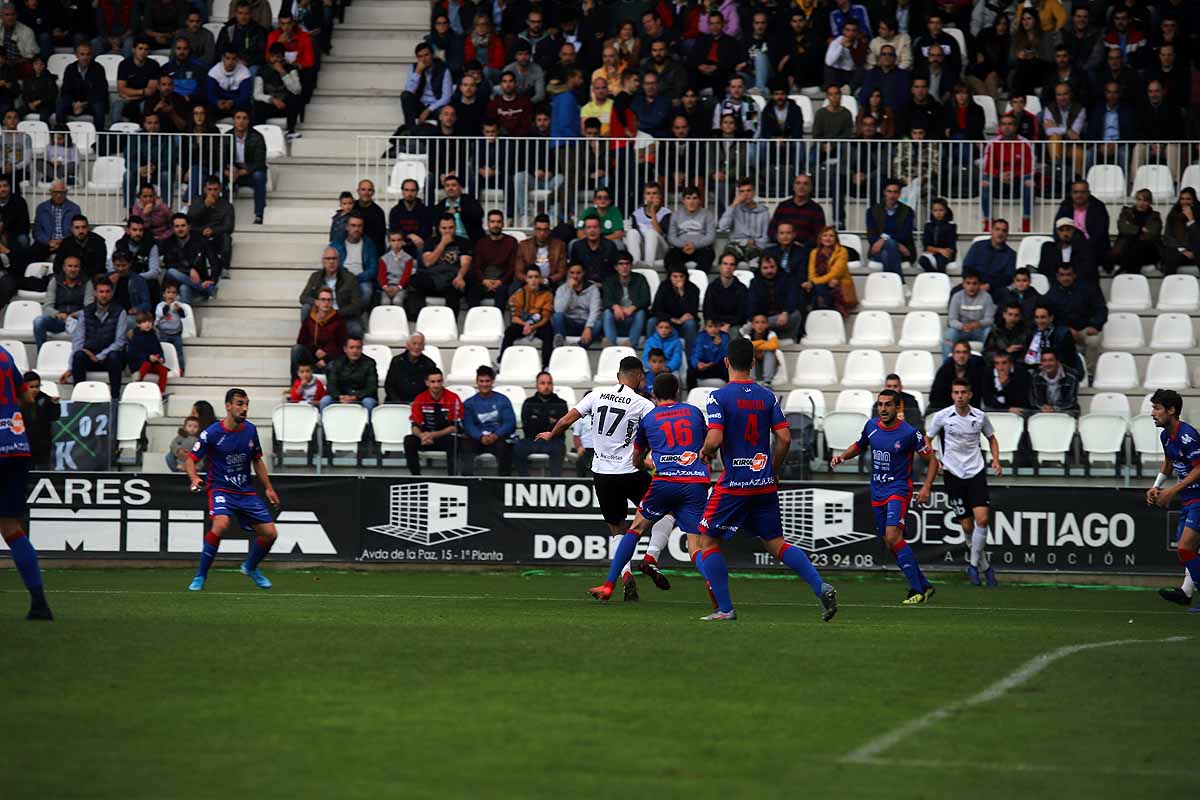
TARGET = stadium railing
(104,169)
(848,175)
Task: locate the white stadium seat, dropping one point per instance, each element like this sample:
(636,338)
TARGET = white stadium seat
(1050,435)
(699,279)
(381,354)
(931,290)
(1158,179)
(1110,403)
(859,401)
(916,369)
(884,290)
(1146,440)
(1123,331)
(991,117)
(1172,332)
(91,392)
(852,241)
(921,330)
(53,359)
(36,270)
(1008,429)
(434,354)
(815,368)
(610,361)
(439,324)
(58,63)
(1191,178)
(1167,371)
(343,425)
(863,370)
(111,63)
(483,325)
(1115,372)
(806,109)
(824,328)
(50,389)
(516,396)
(39,135)
(407,167)
(147,394)
(568,395)
(873,329)
(1179,293)
(842,429)
(387,325)
(570,366)
(276,144)
(171,360)
(1145,407)
(389,425)
(1029,252)
(20,358)
(465,361)
(806,401)
(1102,436)
(520,364)
(743,275)
(190,331)
(1107,182)
(131,422)
(83,136)
(463,391)
(653,279)
(18,318)
(108,174)
(1039,282)
(1129,292)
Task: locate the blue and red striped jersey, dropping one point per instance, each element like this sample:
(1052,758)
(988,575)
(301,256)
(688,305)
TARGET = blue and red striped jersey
(231,455)
(1183,451)
(892,452)
(674,434)
(13,441)
(747,413)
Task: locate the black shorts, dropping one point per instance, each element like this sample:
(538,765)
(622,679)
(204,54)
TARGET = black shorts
(967,494)
(616,492)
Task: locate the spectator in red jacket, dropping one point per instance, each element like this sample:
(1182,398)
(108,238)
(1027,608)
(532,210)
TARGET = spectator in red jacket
(307,388)
(1008,164)
(437,414)
(322,334)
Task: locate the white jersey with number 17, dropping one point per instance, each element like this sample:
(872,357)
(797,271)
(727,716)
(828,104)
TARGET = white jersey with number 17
(615,414)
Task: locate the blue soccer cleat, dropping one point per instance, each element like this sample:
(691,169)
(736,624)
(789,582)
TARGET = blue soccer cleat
(973,574)
(990,574)
(197,584)
(256,575)
(1194,609)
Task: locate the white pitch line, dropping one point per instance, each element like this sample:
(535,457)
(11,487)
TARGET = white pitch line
(1090,769)
(581,599)
(870,751)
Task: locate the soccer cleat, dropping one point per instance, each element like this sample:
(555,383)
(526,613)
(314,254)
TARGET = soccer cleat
(828,598)
(630,586)
(914,598)
(929,592)
(973,574)
(650,569)
(990,574)
(256,575)
(40,611)
(1177,596)
(720,616)
(601,593)
(196,585)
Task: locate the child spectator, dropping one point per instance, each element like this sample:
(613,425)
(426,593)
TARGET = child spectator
(667,340)
(395,269)
(182,444)
(708,354)
(940,237)
(657,362)
(146,351)
(337,226)
(307,387)
(61,160)
(168,319)
(766,349)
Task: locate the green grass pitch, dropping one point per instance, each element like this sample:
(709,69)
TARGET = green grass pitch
(449,685)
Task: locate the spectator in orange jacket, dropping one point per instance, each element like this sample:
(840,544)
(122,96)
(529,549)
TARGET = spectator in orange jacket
(322,334)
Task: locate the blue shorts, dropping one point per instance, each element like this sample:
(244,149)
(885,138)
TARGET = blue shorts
(1189,517)
(890,514)
(685,501)
(754,514)
(248,509)
(14,474)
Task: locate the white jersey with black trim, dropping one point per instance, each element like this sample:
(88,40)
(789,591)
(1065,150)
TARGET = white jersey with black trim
(615,413)
(961,455)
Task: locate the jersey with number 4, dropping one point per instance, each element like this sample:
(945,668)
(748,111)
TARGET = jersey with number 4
(231,455)
(1183,451)
(747,413)
(14,443)
(892,449)
(674,434)
(616,413)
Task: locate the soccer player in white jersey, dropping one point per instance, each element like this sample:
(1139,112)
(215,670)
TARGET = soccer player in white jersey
(615,413)
(964,474)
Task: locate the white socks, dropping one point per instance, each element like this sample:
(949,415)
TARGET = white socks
(659,534)
(1189,588)
(978,545)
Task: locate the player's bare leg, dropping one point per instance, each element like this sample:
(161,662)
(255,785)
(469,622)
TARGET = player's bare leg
(25,557)
(620,561)
(265,535)
(212,543)
(717,571)
(800,563)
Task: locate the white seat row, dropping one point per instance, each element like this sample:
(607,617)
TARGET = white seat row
(863,369)
(919,330)
(19,316)
(483,325)
(1177,293)
(1118,372)
(1123,331)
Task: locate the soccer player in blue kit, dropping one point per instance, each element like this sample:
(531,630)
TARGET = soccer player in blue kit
(15,463)
(746,497)
(1181,456)
(669,435)
(233,452)
(893,444)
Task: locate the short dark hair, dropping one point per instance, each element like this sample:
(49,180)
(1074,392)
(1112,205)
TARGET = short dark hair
(960,382)
(78,218)
(656,352)
(891,376)
(1022,271)
(495,212)
(101,280)
(630,364)
(235,393)
(666,386)
(1168,399)
(740,355)
(891,393)
(971,273)
(445,217)
(179,215)
(31,376)
(484,371)
(540,218)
